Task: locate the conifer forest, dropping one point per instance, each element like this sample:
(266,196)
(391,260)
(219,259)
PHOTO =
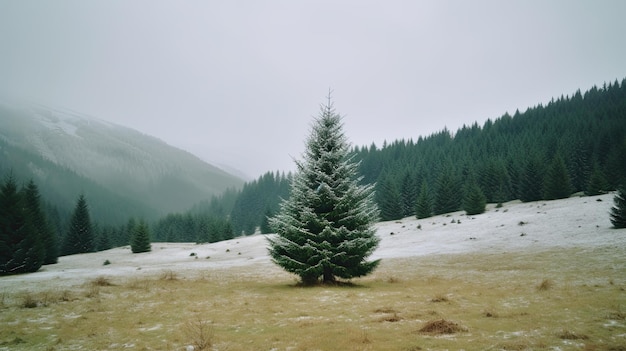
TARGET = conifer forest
(575,143)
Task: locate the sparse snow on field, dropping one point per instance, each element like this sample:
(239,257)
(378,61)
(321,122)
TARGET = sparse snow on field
(575,222)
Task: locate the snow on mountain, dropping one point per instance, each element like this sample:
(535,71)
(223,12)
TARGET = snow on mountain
(581,222)
(120,159)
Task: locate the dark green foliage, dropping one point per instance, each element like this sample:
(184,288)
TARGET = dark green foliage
(448,195)
(597,183)
(103,239)
(618,212)
(424,203)
(557,183)
(474,201)
(21,249)
(255,199)
(495,181)
(265,224)
(47,238)
(140,240)
(80,236)
(511,154)
(408,193)
(531,180)
(325,229)
(389,199)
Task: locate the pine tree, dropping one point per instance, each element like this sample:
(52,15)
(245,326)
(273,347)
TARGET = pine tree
(618,212)
(388,198)
(531,180)
(557,183)
(140,240)
(474,201)
(597,183)
(47,238)
(409,192)
(21,249)
(325,228)
(80,237)
(449,195)
(424,204)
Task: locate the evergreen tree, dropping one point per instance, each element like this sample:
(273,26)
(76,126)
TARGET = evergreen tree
(474,201)
(531,180)
(46,238)
(557,183)
(140,240)
(618,212)
(449,195)
(424,203)
(325,229)
(104,239)
(21,250)
(597,183)
(389,199)
(408,191)
(80,237)
(265,224)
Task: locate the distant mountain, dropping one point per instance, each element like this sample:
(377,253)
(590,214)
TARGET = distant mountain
(122,172)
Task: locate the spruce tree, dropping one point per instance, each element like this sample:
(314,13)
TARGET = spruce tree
(80,237)
(21,249)
(531,180)
(140,240)
(325,228)
(597,183)
(474,201)
(618,212)
(557,183)
(47,237)
(389,199)
(449,195)
(424,204)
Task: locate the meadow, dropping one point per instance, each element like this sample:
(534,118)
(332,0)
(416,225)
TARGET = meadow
(552,300)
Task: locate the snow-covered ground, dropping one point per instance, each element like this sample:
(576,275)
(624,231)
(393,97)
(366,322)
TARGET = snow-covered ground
(575,222)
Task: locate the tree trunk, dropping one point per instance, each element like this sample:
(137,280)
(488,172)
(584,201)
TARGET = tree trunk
(329,277)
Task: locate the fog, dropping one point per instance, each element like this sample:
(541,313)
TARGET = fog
(238,82)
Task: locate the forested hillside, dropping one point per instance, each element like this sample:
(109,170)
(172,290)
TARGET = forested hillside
(574,143)
(123,172)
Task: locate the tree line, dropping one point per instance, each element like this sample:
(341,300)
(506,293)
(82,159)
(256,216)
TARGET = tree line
(573,144)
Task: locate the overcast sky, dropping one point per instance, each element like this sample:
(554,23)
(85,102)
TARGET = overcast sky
(239,82)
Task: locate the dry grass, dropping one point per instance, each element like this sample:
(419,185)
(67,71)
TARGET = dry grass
(545,285)
(495,306)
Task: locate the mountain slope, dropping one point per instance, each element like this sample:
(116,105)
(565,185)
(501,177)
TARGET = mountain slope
(120,160)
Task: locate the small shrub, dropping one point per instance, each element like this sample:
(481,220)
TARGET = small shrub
(192,254)
(106,263)
(101,281)
(391,318)
(439,298)
(490,314)
(441,326)
(393,280)
(569,335)
(29,301)
(169,275)
(545,285)
(93,291)
(200,333)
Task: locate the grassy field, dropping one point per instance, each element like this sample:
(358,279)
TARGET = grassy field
(553,300)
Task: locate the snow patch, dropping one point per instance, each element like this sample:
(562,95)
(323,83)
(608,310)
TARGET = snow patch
(576,222)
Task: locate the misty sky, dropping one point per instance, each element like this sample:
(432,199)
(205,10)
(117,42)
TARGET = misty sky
(238,82)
